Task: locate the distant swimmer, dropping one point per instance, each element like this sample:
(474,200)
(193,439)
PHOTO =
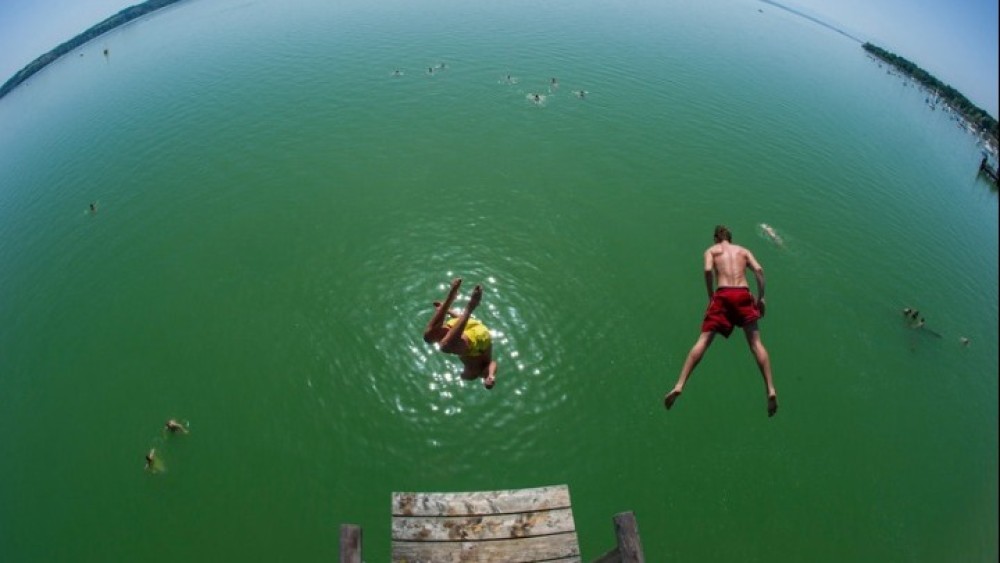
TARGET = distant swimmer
(442,66)
(430,70)
(174,427)
(913,317)
(463,336)
(916,320)
(554,83)
(151,460)
(730,304)
(580,93)
(963,341)
(93,207)
(538,99)
(397,72)
(771,234)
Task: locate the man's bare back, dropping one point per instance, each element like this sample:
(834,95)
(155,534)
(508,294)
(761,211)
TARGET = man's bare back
(729,262)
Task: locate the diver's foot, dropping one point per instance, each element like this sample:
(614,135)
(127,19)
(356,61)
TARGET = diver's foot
(452,292)
(772,404)
(668,400)
(475,298)
(489,381)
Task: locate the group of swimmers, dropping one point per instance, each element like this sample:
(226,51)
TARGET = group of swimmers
(430,70)
(152,461)
(917,321)
(534,97)
(553,86)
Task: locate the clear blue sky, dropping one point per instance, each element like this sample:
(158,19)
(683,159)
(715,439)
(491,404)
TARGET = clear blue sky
(955,40)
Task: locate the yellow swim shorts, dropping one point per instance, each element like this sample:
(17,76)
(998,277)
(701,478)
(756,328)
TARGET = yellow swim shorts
(477,334)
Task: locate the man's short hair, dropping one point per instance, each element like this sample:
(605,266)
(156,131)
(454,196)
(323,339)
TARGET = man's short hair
(722,233)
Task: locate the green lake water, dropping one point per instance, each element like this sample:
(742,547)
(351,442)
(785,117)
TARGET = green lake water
(277,211)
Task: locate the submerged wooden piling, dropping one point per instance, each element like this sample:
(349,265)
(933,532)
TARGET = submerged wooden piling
(629,548)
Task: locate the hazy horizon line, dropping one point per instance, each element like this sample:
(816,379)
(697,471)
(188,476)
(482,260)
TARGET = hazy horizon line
(813,19)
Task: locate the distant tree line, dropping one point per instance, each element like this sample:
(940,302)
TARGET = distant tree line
(979,119)
(121,18)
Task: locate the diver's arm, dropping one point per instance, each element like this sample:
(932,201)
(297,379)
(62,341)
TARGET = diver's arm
(758,274)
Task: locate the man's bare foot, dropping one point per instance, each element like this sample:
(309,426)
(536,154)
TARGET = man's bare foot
(475,298)
(489,381)
(453,291)
(772,405)
(668,400)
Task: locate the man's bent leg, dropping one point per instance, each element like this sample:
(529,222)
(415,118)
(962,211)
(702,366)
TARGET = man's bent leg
(435,327)
(764,363)
(452,342)
(693,357)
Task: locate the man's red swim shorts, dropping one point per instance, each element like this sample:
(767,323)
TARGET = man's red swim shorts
(730,306)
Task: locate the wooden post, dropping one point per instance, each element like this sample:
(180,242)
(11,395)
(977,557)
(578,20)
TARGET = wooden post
(629,549)
(350,543)
(627,532)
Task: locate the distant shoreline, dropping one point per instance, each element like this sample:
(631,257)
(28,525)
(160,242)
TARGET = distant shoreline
(976,117)
(117,20)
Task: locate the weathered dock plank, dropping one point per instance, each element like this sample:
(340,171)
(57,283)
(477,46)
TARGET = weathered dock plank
(521,550)
(488,527)
(507,526)
(482,502)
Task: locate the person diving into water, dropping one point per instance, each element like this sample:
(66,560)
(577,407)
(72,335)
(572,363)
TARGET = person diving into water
(463,336)
(730,304)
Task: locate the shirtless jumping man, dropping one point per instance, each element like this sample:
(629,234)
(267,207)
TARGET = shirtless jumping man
(730,304)
(463,336)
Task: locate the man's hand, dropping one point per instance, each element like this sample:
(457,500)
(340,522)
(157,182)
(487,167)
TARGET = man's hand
(761,306)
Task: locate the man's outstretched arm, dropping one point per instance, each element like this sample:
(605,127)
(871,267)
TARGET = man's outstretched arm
(758,274)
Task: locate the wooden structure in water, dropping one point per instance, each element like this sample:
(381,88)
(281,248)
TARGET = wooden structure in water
(521,525)
(989,171)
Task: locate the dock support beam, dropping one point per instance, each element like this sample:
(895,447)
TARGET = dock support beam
(629,548)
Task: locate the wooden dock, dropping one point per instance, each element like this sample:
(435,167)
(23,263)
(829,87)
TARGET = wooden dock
(508,526)
(989,171)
